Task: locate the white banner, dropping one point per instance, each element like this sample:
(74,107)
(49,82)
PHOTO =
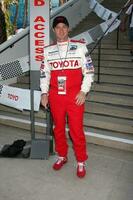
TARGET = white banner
(18,98)
(92,4)
(114,25)
(14,68)
(100,10)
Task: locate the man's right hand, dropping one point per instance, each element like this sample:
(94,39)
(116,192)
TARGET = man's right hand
(44,100)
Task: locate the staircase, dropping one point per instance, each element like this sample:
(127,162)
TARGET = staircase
(109,107)
(108,118)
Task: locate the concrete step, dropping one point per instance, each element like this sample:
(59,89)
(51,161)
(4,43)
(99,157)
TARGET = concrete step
(108,110)
(112,63)
(114,46)
(123,126)
(115,71)
(109,133)
(108,138)
(108,98)
(112,39)
(116,79)
(110,3)
(104,57)
(113,88)
(120,52)
(8,111)
(18,122)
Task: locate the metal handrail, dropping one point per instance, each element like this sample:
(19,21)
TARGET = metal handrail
(100,39)
(99,62)
(9,43)
(117,38)
(99,55)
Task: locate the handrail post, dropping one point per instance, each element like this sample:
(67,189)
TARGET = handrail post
(99,62)
(117,39)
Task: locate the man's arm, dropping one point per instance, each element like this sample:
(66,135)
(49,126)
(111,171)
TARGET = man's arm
(88,76)
(124,23)
(126,16)
(45,81)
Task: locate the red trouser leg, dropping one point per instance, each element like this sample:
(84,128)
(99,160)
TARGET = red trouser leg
(60,106)
(58,109)
(75,120)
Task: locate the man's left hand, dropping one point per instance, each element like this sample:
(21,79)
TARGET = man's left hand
(80,98)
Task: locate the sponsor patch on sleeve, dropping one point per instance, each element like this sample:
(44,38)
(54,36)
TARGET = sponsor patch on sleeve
(89,65)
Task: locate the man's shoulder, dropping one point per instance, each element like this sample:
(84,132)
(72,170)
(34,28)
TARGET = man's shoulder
(50,45)
(77,41)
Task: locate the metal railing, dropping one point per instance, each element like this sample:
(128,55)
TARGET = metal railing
(10,43)
(98,42)
(99,55)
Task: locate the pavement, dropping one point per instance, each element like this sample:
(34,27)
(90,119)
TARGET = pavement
(109,174)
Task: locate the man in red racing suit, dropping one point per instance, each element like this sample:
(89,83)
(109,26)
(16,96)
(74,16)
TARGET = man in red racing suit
(65,80)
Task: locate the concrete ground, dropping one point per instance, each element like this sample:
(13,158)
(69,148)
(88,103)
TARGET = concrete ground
(109,175)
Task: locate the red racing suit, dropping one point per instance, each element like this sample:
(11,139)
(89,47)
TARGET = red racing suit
(67,71)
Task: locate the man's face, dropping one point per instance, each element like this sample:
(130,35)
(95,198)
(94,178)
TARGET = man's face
(61,31)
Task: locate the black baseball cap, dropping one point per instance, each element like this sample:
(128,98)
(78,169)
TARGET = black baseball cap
(60,19)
